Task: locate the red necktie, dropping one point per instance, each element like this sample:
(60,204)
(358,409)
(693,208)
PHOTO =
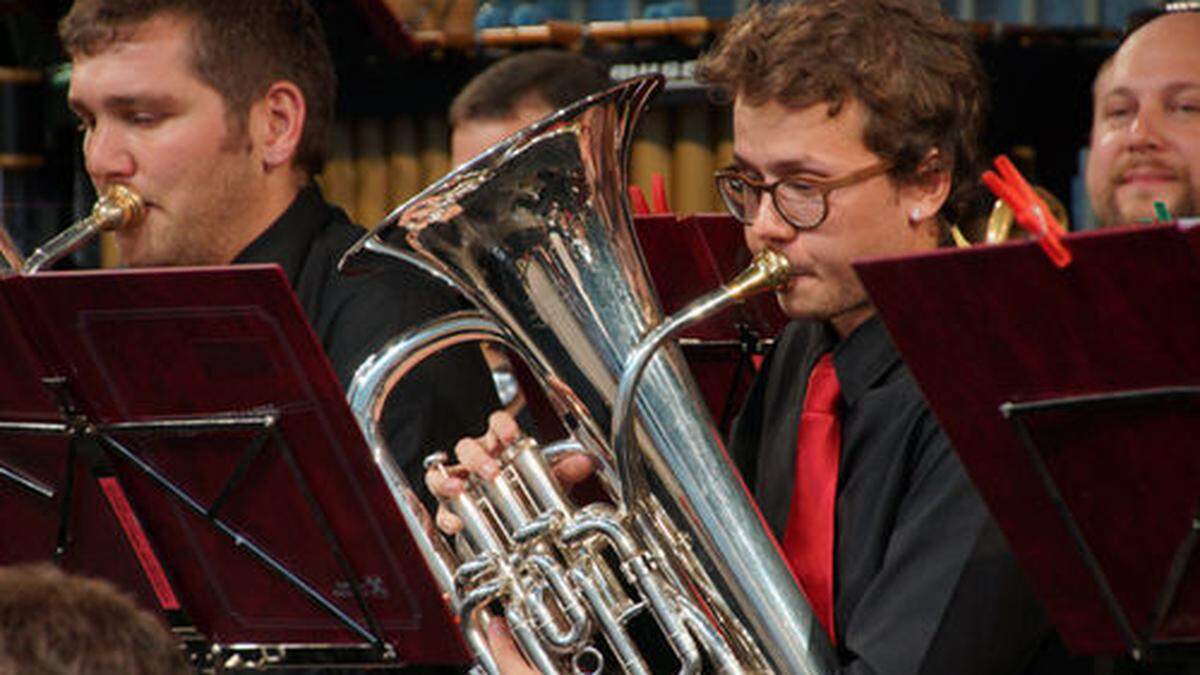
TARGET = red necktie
(808,539)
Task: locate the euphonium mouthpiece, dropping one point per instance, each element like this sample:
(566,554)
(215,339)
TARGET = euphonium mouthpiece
(769,269)
(117,207)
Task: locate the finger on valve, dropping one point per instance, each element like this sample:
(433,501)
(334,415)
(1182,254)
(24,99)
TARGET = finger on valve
(573,468)
(503,427)
(478,455)
(443,483)
(475,455)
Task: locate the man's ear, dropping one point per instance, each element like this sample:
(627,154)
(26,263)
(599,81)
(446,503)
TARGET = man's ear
(924,195)
(277,123)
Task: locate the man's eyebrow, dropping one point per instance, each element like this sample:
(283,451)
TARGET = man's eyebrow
(1116,91)
(134,100)
(123,102)
(1181,86)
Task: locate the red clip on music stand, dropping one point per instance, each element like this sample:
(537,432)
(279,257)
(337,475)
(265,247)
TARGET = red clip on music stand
(1072,397)
(232,489)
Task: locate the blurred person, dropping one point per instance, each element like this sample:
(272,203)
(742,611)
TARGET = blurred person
(1145,138)
(52,623)
(515,92)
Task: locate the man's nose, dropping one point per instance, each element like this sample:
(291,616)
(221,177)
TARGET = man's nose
(107,155)
(1145,129)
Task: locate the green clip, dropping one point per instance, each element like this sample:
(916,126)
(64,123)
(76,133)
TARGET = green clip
(1161,214)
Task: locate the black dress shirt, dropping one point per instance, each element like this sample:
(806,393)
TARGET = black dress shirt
(445,398)
(923,581)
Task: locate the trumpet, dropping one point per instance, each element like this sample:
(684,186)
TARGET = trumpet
(536,232)
(116,207)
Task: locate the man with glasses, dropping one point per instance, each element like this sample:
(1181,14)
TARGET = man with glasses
(855,123)
(855,130)
(1145,141)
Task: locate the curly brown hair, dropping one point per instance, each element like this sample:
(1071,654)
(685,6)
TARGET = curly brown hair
(51,622)
(239,48)
(912,67)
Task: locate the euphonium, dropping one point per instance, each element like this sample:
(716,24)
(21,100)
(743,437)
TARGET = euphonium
(116,207)
(536,233)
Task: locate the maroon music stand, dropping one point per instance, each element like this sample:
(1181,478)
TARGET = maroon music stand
(1073,398)
(182,434)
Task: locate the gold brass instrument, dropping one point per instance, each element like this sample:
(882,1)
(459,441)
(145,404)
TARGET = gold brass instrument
(116,207)
(1000,220)
(536,232)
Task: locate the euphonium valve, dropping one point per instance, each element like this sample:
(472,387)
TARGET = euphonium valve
(117,207)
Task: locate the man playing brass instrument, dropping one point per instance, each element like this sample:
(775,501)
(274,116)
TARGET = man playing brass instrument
(855,123)
(1145,141)
(218,114)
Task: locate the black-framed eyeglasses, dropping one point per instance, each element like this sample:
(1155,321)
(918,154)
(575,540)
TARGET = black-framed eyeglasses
(1141,17)
(803,204)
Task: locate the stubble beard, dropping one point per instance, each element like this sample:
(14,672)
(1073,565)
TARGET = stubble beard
(206,234)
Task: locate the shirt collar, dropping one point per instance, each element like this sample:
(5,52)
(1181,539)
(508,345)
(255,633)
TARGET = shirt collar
(286,241)
(864,358)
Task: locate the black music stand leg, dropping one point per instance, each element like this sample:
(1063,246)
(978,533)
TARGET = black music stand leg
(749,345)
(62,540)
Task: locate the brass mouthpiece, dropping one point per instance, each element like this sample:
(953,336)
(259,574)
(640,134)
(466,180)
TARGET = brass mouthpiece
(768,270)
(117,207)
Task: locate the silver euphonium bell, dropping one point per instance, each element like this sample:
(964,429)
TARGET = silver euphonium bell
(536,232)
(116,207)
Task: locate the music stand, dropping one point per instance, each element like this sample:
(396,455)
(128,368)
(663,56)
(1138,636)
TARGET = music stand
(1071,396)
(232,489)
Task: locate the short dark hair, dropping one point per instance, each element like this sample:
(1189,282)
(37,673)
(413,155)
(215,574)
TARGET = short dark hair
(239,47)
(557,78)
(51,622)
(913,68)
